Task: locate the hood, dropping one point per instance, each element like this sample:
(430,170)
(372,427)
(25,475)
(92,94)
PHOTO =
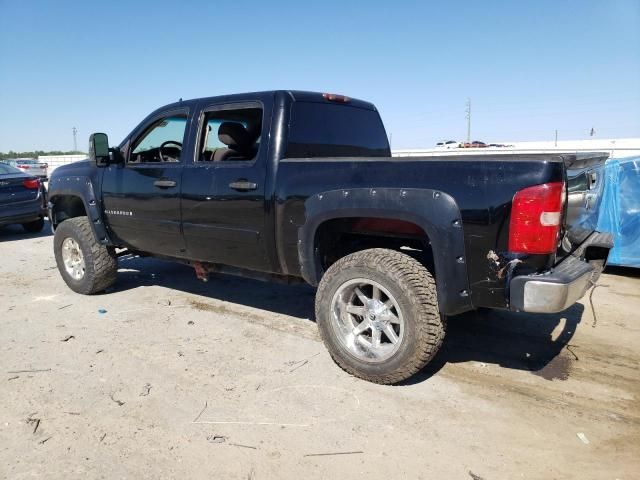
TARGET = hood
(72,168)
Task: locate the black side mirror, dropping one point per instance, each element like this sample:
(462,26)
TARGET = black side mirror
(99,149)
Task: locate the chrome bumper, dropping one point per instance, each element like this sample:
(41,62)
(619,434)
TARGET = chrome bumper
(550,297)
(558,289)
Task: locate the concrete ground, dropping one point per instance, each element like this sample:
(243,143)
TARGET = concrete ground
(168,377)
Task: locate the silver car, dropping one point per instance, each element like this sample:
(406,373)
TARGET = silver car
(29,165)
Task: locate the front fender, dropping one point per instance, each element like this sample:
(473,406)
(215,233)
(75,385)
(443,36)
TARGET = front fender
(435,212)
(81,187)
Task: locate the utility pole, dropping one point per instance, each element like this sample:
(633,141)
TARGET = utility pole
(468,117)
(75,140)
(556,137)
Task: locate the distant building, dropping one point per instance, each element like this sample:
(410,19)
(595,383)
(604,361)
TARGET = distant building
(54,161)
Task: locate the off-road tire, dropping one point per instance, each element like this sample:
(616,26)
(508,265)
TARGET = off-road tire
(415,290)
(101,263)
(35,226)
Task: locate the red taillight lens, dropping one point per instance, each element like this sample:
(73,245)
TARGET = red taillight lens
(31,183)
(24,167)
(536,218)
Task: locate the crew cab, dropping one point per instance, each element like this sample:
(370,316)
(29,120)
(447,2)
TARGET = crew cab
(301,186)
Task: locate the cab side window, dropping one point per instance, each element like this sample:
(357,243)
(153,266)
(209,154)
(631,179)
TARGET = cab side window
(231,135)
(161,142)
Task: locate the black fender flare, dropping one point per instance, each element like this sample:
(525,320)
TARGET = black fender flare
(434,211)
(79,187)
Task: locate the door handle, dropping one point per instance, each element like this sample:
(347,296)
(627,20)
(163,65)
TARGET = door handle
(164,183)
(243,185)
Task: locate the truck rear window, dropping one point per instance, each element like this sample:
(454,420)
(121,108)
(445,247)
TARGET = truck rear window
(330,130)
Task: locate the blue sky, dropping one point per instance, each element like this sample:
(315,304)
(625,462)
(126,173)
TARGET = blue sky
(528,67)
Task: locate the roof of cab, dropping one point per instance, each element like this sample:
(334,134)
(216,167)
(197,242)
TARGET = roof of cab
(296,95)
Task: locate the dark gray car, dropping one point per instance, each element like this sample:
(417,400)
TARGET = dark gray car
(22,199)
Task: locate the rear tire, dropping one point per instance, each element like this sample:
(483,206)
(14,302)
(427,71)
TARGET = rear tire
(35,226)
(383,290)
(86,266)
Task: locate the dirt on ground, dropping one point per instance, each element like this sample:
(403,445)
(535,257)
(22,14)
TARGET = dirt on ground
(165,376)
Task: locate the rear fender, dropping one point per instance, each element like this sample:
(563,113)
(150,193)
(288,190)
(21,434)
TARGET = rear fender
(435,212)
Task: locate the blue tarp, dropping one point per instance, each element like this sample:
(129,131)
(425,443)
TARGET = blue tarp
(620,210)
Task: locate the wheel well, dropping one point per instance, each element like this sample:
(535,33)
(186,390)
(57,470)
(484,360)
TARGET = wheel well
(340,237)
(65,207)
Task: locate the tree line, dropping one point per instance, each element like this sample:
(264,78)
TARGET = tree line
(35,154)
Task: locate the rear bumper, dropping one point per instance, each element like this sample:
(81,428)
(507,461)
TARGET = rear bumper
(23,218)
(22,212)
(565,284)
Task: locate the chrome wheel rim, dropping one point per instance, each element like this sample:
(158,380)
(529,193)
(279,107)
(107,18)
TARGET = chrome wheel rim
(367,320)
(73,259)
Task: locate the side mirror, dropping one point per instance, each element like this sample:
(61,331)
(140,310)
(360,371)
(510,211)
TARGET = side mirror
(99,149)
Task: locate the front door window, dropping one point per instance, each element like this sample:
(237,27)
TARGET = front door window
(161,142)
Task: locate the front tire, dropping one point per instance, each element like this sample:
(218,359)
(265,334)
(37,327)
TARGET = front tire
(86,266)
(377,312)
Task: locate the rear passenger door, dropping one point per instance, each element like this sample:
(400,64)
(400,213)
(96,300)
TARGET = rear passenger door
(223,204)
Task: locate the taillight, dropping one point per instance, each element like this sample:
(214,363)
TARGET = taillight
(24,167)
(536,218)
(31,183)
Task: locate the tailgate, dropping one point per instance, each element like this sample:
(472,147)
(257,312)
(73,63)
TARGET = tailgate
(12,190)
(585,187)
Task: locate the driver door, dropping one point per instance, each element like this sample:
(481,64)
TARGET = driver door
(141,197)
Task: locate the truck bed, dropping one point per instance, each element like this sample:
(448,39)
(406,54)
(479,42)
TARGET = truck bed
(482,187)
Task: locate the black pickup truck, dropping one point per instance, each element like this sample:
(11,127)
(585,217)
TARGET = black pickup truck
(301,186)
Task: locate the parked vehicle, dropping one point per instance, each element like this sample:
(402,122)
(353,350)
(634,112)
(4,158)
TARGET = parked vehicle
(22,199)
(475,144)
(446,145)
(29,165)
(301,186)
